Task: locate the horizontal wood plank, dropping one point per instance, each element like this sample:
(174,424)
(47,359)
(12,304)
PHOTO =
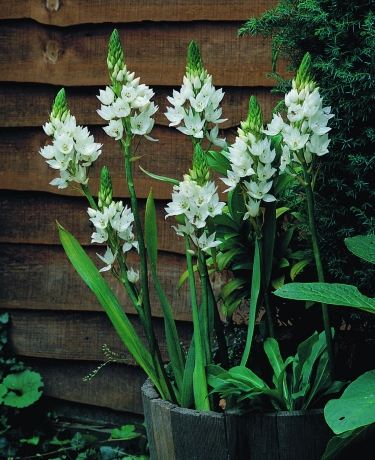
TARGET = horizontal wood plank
(77,56)
(69,12)
(42,210)
(117,386)
(79,335)
(30,104)
(40,277)
(24,169)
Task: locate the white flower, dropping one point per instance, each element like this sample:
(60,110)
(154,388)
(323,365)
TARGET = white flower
(121,108)
(265,172)
(212,137)
(62,181)
(99,237)
(259,190)
(295,140)
(205,243)
(133,276)
(141,124)
(193,125)
(106,96)
(252,207)
(285,158)
(175,115)
(275,127)
(114,129)
(295,112)
(231,180)
(109,259)
(318,144)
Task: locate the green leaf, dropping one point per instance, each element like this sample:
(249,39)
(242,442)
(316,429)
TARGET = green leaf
(334,294)
(298,267)
(362,246)
(162,178)
(355,408)
(236,205)
(22,389)
(124,433)
(284,241)
(271,347)
(173,343)
(281,211)
(218,162)
(90,275)
(253,307)
(338,444)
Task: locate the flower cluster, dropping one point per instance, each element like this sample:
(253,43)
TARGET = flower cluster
(133,104)
(196,203)
(251,157)
(196,105)
(305,133)
(116,222)
(73,149)
(126,104)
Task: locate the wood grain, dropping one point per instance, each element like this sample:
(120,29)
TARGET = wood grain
(79,335)
(42,210)
(40,277)
(117,386)
(22,168)
(30,104)
(69,12)
(76,56)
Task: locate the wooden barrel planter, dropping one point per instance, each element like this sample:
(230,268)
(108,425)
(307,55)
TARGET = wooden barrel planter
(184,434)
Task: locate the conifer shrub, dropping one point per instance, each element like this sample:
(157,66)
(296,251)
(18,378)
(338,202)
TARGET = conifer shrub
(340,36)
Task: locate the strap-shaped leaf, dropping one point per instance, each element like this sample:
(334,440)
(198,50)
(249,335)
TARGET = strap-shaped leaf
(90,275)
(173,343)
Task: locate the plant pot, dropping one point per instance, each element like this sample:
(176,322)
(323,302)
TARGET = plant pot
(175,433)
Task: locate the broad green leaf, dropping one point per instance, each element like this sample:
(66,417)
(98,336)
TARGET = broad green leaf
(23,389)
(224,259)
(90,275)
(224,220)
(245,375)
(297,268)
(303,354)
(362,246)
(236,205)
(338,444)
(355,408)
(271,347)
(278,282)
(283,263)
(281,211)
(333,294)
(218,162)
(124,433)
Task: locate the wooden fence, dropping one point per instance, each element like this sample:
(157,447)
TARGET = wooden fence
(56,323)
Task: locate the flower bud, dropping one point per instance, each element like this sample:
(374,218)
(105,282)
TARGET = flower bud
(105,192)
(115,60)
(60,106)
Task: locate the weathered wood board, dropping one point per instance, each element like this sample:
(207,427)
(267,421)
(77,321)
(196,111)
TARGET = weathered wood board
(71,12)
(57,323)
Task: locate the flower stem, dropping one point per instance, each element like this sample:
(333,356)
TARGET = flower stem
(199,375)
(147,317)
(319,266)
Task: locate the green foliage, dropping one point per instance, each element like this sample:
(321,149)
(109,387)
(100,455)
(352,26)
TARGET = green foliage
(298,383)
(21,389)
(341,41)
